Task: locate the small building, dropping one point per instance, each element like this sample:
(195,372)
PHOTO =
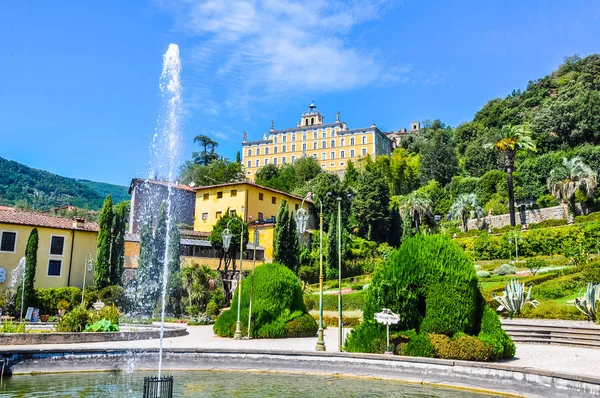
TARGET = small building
(397,137)
(63,250)
(257,205)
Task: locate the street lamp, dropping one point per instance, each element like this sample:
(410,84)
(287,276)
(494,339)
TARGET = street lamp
(227,235)
(254,244)
(89,266)
(301,220)
(517,237)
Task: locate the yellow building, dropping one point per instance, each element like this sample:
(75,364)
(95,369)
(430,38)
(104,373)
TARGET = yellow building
(63,248)
(257,205)
(333,144)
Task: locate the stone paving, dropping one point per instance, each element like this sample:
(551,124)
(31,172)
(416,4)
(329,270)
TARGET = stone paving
(579,361)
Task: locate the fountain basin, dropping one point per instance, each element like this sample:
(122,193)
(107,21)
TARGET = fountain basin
(43,334)
(496,377)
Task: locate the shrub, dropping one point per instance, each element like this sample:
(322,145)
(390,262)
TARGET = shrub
(350,301)
(591,273)
(590,217)
(47,299)
(192,310)
(547,200)
(103,325)
(483,274)
(309,302)
(462,346)
(74,321)
(505,269)
(418,345)
(494,336)
(112,295)
(534,264)
(432,284)
(108,312)
(330,320)
(356,286)
(552,310)
(9,326)
(302,326)
(277,300)
(547,224)
(63,305)
(371,338)
(212,309)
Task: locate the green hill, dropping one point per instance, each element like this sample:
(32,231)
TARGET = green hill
(24,186)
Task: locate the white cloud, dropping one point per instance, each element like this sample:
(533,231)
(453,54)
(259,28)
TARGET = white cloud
(254,48)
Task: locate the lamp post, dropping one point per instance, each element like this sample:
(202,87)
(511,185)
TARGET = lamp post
(341,317)
(227,235)
(301,221)
(517,237)
(254,244)
(89,265)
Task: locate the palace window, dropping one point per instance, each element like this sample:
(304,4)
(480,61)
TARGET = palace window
(342,154)
(273,200)
(304,147)
(332,155)
(257,162)
(8,242)
(293,137)
(283,160)
(249,164)
(261,197)
(266,162)
(57,245)
(323,144)
(293,158)
(257,151)
(332,144)
(54,267)
(274,149)
(351,153)
(315,144)
(343,142)
(233,193)
(304,136)
(275,161)
(260,216)
(249,152)
(364,151)
(275,140)
(323,156)
(219,194)
(324,135)
(293,147)
(364,139)
(352,141)
(284,148)
(315,135)
(266,150)
(284,138)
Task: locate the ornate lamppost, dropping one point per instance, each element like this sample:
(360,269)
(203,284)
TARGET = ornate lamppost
(227,235)
(89,266)
(301,222)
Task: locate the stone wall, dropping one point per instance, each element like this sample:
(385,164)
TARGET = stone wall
(528,216)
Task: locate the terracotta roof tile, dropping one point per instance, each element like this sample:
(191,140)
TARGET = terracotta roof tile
(187,232)
(42,220)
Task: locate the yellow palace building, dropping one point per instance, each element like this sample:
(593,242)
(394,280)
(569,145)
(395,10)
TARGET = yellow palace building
(332,144)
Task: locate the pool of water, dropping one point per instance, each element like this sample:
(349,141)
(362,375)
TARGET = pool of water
(221,384)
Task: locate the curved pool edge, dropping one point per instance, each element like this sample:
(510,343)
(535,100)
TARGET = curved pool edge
(486,377)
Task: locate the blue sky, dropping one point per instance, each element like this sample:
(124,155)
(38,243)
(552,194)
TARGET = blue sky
(79,80)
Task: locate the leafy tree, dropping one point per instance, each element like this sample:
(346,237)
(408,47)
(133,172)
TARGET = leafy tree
(467,133)
(207,154)
(218,171)
(512,140)
(440,197)
(286,248)
(270,176)
(227,258)
(117,256)
(404,170)
(573,175)
(478,159)
(462,208)
(351,175)
(103,261)
(438,159)
(417,205)
(30,270)
(174,285)
(328,187)
(370,207)
(306,168)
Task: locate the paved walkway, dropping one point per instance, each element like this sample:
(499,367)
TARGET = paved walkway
(579,361)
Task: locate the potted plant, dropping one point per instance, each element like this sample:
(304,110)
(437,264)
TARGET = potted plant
(63,306)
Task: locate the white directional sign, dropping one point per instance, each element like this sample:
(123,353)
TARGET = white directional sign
(387,317)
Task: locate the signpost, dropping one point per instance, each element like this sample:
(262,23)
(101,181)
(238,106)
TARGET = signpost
(387,317)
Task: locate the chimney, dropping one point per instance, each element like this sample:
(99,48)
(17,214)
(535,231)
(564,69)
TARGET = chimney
(78,222)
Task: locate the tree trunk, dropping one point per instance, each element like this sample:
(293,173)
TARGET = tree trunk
(417,223)
(510,163)
(465,224)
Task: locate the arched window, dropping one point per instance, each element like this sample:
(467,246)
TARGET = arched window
(332,144)
(304,147)
(306,122)
(284,148)
(304,136)
(323,144)
(315,145)
(312,121)
(352,141)
(257,151)
(364,139)
(315,135)
(266,150)
(293,147)
(343,142)
(275,149)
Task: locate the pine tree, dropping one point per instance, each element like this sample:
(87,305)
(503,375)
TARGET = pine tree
(286,248)
(117,256)
(332,271)
(146,275)
(174,288)
(30,269)
(102,268)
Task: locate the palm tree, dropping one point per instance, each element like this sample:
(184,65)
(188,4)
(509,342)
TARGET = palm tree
(568,178)
(463,206)
(512,139)
(417,204)
(199,282)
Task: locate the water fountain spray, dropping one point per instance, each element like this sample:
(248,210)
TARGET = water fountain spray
(165,146)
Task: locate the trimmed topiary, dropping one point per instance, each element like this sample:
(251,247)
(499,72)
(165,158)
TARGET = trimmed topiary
(432,284)
(277,301)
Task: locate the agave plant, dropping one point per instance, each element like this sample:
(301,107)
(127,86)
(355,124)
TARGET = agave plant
(514,298)
(588,303)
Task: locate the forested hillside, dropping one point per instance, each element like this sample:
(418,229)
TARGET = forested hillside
(36,189)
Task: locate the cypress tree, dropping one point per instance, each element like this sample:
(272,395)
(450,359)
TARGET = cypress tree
(293,256)
(332,271)
(117,256)
(30,269)
(102,268)
(286,248)
(146,277)
(174,288)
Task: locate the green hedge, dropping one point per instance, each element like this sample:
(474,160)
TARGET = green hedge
(350,301)
(278,308)
(536,242)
